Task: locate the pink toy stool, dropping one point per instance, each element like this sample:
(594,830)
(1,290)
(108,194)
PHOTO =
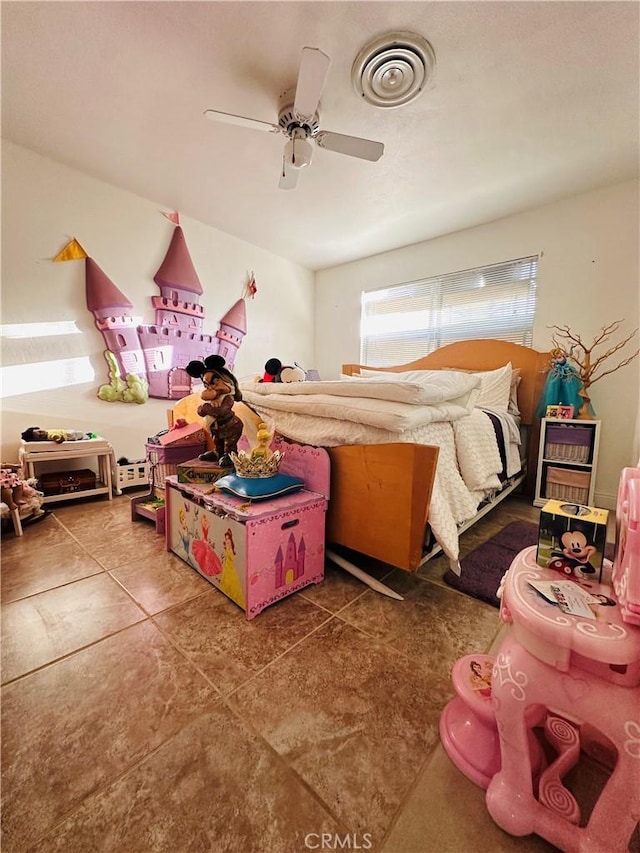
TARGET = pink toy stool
(468,728)
(578,677)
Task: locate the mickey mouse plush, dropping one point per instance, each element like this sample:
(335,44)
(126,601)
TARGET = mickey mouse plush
(219,394)
(275,371)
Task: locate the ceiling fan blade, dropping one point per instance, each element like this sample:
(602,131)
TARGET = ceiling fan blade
(242,121)
(288,177)
(365,149)
(314,65)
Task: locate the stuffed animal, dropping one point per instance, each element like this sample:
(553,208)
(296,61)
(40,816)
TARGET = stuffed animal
(219,394)
(275,371)
(17,493)
(57,435)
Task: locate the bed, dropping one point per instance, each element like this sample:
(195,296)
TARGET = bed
(386,490)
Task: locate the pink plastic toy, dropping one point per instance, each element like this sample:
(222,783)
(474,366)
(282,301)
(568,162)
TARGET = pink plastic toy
(574,677)
(626,563)
(468,728)
(577,678)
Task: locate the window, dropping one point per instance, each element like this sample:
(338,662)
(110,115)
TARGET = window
(402,323)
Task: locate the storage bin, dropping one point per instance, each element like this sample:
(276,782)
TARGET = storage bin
(133,475)
(67,482)
(163,461)
(566,443)
(173,453)
(564,484)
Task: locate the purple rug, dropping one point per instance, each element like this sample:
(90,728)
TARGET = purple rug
(483,568)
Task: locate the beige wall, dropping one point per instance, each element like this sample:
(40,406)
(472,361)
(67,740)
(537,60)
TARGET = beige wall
(44,204)
(589,276)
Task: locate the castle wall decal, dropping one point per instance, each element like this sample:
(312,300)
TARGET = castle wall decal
(149,360)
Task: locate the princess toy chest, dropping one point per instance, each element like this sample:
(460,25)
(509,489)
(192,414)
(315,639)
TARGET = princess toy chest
(254,551)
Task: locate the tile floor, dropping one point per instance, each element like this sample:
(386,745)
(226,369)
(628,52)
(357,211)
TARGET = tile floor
(142,712)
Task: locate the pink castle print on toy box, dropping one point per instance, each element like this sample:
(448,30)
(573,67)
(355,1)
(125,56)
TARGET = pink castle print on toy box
(159,352)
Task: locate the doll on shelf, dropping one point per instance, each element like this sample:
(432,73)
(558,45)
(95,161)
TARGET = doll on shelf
(57,435)
(562,385)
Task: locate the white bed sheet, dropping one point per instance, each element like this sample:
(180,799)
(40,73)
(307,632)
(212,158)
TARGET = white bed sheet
(468,462)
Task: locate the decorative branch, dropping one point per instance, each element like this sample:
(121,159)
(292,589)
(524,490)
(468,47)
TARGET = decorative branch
(584,357)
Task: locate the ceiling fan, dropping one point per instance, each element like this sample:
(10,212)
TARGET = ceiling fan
(298,120)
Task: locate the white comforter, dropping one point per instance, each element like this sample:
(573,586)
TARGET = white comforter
(361,411)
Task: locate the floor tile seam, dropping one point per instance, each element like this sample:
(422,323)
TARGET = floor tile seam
(5,603)
(102,788)
(253,675)
(328,609)
(106,785)
(75,581)
(187,658)
(389,645)
(138,604)
(79,542)
(283,760)
(73,652)
(406,797)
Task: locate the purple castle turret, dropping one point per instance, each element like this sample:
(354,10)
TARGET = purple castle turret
(233,328)
(111,310)
(160,352)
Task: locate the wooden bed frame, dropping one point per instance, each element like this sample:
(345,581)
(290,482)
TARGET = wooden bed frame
(381,493)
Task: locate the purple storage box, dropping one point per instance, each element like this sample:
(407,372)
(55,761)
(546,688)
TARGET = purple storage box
(566,443)
(565,434)
(173,454)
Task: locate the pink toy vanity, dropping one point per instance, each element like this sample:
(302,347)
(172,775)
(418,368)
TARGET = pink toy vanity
(574,678)
(255,552)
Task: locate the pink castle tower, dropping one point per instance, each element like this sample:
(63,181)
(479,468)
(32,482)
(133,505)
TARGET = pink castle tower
(178,283)
(111,310)
(233,328)
(290,567)
(177,337)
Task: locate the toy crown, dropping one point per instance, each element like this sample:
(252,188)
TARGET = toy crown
(260,461)
(248,465)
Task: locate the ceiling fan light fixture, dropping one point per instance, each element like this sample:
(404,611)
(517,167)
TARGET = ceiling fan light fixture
(298,151)
(393,70)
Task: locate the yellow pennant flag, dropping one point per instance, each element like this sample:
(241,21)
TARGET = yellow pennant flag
(71,252)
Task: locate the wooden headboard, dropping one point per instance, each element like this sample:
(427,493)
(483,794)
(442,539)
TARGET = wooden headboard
(487,354)
(484,355)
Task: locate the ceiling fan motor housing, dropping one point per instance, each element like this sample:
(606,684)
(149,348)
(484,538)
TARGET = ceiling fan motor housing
(393,70)
(289,121)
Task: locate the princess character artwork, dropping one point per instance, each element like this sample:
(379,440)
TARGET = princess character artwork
(562,385)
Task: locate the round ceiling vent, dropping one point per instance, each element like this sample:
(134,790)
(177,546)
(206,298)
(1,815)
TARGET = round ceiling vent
(393,70)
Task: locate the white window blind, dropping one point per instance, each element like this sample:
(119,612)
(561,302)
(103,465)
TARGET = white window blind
(402,323)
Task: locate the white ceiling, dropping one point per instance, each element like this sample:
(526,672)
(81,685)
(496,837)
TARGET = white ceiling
(530,102)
